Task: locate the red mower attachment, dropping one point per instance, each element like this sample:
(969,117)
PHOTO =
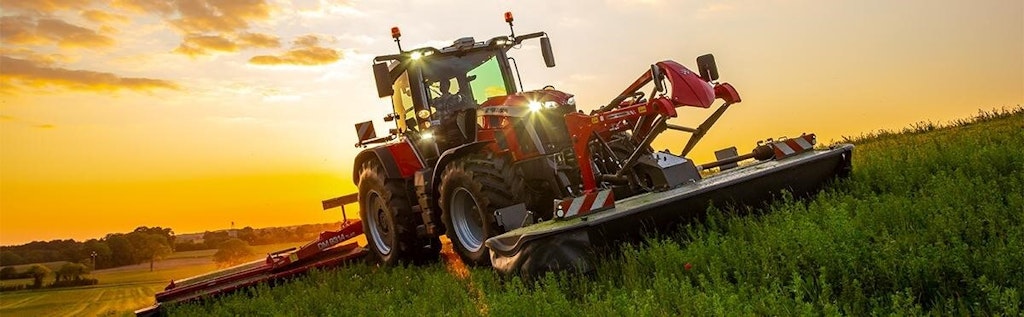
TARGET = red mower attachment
(327,251)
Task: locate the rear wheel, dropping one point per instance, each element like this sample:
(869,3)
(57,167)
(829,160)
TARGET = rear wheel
(388,220)
(472,188)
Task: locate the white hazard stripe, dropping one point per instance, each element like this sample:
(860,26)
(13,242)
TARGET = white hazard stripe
(790,147)
(585,204)
(601,200)
(575,207)
(786,150)
(803,143)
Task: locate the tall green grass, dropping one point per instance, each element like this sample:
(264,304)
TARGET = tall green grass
(931,222)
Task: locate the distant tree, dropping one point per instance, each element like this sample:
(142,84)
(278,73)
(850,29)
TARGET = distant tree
(151,247)
(232,252)
(166,233)
(102,251)
(121,250)
(38,273)
(8,272)
(70,272)
(247,234)
(213,239)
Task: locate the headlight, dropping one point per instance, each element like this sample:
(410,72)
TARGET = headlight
(534,106)
(423,114)
(550,104)
(571,101)
(427,135)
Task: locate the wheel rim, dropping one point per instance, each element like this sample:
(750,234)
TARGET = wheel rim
(466,220)
(377,220)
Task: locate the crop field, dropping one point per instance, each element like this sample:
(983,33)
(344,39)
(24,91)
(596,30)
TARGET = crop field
(931,222)
(120,291)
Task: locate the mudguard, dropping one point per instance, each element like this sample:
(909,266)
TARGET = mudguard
(382,155)
(452,154)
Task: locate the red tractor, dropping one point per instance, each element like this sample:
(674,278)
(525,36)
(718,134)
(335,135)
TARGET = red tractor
(522,179)
(474,155)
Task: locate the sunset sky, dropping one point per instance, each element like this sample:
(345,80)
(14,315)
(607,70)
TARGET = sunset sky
(193,114)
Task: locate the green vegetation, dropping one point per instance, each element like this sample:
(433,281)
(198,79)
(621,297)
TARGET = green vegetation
(931,222)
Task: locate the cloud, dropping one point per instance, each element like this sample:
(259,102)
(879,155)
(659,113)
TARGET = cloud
(29,74)
(197,45)
(28,30)
(97,16)
(164,7)
(306,51)
(210,26)
(35,57)
(308,40)
(259,40)
(225,16)
(46,6)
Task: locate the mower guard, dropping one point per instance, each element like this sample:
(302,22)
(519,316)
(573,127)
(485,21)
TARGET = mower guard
(572,244)
(326,252)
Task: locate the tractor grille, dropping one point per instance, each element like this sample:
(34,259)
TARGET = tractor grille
(544,133)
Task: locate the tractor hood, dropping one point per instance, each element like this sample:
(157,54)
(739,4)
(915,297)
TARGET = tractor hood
(523,103)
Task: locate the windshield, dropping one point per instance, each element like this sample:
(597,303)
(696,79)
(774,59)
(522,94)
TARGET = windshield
(474,76)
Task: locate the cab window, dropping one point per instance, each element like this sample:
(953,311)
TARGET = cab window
(402,101)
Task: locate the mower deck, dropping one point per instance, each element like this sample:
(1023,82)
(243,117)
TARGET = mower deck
(325,252)
(558,245)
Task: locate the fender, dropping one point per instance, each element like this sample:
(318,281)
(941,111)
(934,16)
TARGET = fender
(450,155)
(382,155)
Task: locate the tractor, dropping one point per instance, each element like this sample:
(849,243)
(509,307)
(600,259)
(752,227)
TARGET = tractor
(521,179)
(474,155)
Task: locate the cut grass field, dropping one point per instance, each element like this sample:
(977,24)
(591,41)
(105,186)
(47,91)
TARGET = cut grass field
(120,291)
(931,222)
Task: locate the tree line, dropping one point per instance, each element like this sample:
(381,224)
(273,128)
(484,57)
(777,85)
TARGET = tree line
(262,236)
(113,250)
(147,244)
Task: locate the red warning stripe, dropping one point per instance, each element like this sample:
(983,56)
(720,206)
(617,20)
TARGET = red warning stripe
(794,146)
(587,203)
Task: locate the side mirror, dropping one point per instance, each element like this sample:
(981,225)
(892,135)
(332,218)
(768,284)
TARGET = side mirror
(383,78)
(707,68)
(658,78)
(545,48)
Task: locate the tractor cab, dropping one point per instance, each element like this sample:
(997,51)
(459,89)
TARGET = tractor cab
(436,92)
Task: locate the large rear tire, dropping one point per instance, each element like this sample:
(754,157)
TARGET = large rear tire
(472,188)
(388,220)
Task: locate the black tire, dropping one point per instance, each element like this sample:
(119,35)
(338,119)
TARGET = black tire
(471,189)
(388,220)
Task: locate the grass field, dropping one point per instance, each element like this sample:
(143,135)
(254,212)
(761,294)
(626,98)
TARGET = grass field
(120,291)
(931,222)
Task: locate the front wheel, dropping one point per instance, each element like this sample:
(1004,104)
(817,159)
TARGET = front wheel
(472,188)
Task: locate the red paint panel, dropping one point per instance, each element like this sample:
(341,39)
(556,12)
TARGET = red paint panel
(407,161)
(687,87)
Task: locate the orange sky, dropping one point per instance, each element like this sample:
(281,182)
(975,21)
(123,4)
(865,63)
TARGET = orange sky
(194,114)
